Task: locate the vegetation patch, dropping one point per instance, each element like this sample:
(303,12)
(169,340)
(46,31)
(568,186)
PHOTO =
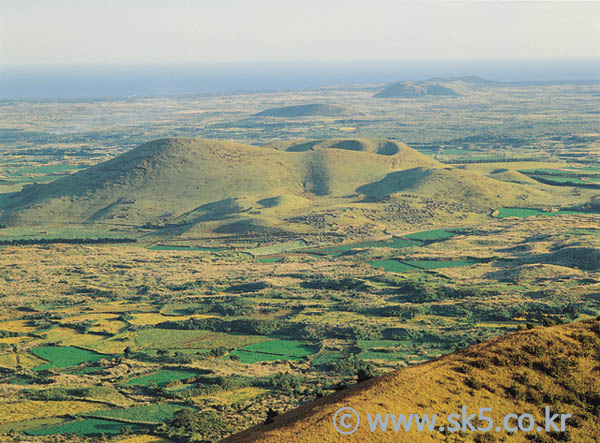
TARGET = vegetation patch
(392,265)
(162,377)
(326,358)
(436,264)
(64,356)
(154,413)
(528,212)
(272,350)
(160,338)
(86,426)
(428,236)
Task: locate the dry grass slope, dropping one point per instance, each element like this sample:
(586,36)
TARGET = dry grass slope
(517,373)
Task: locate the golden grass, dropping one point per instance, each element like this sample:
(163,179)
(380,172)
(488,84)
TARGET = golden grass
(32,409)
(143,438)
(103,322)
(70,337)
(8,360)
(16,326)
(233,396)
(13,340)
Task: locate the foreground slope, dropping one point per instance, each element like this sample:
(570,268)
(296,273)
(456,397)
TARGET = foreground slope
(518,373)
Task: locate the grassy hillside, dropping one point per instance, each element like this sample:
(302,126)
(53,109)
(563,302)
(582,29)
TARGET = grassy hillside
(171,177)
(306,110)
(240,188)
(518,373)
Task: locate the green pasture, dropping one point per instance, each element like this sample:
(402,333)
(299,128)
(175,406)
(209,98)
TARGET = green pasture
(434,235)
(272,350)
(395,243)
(528,212)
(436,264)
(64,356)
(162,377)
(86,426)
(158,338)
(391,265)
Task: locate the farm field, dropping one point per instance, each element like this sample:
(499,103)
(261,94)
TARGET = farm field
(86,426)
(64,356)
(155,413)
(162,377)
(274,350)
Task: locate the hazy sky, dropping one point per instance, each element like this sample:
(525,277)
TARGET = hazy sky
(78,32)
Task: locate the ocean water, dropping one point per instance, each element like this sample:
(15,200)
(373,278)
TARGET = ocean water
(225,78)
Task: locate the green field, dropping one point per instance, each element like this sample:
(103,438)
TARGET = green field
(547,171)
(272,350)
(436,264)
(86,426)
(520,212)
(392,266)
(564,180)
(435,235)
(395,243)
(158,338)
(528,212)
(64,356)
(162,377)
(154,413)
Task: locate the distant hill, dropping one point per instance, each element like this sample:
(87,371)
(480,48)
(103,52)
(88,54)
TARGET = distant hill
(515,374)
(306,110)
(196,181)
(411,89)
(473,79)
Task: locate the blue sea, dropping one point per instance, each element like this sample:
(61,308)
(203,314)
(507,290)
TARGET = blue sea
(226,78)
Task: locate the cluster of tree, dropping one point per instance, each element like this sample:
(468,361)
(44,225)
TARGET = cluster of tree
(188,424)
(354,366)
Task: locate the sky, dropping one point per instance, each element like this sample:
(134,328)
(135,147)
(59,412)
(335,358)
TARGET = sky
(143,32)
